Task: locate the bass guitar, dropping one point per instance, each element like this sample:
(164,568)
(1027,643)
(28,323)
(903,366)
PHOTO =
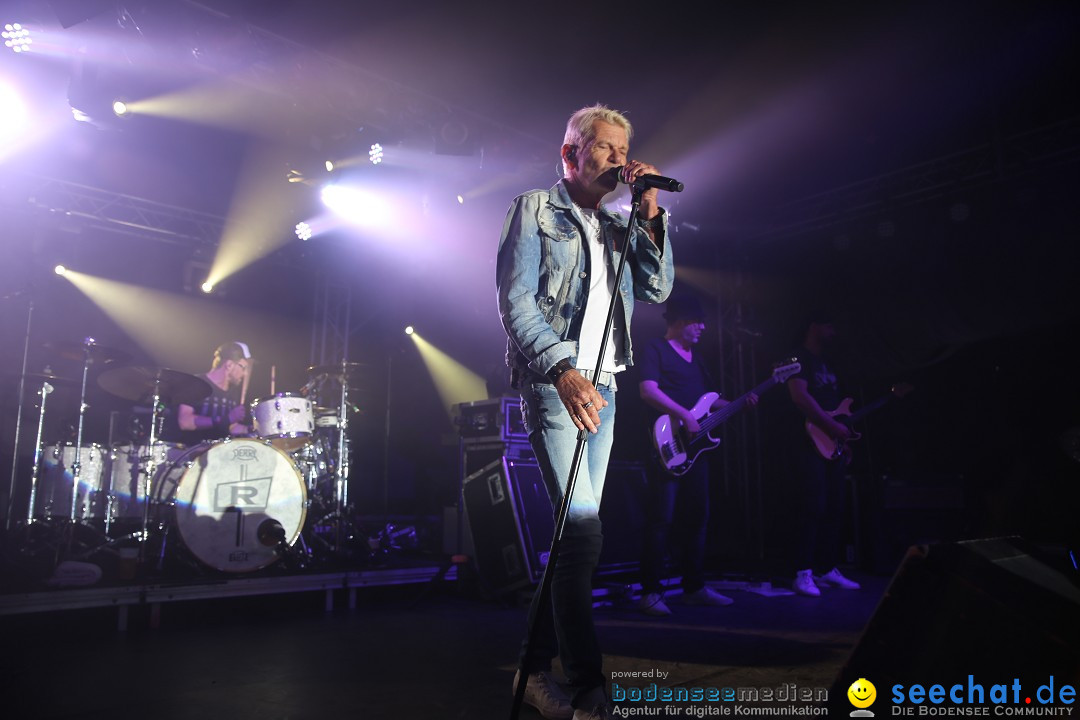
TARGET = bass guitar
(678,448)
(831,449)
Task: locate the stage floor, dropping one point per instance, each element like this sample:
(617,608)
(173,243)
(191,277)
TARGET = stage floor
(414,648)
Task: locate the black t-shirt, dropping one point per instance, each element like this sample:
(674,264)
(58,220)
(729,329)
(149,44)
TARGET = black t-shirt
(684,382)
(821,382)
(217,405)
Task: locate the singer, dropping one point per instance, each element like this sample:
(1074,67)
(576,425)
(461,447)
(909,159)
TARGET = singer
(555,278)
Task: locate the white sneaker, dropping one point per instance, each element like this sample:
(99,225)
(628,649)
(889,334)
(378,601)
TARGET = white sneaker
(706,596)
(804,584)
(834,578)
(653,604)
(544,694)
(600,712)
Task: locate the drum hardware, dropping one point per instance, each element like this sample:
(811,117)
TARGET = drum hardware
(344,373)
(158,386)
(46,388)
(236,503)
(285,419)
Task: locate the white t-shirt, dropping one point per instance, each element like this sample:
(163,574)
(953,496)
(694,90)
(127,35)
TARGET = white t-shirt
(601,285)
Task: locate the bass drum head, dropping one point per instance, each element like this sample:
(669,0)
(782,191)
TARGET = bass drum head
(232,499)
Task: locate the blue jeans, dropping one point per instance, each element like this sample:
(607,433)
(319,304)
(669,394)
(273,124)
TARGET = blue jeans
(565,625)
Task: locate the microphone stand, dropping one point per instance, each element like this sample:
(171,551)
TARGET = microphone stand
(544,591)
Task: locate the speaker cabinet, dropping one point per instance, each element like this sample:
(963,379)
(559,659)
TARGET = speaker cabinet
(995,609)
(512,521)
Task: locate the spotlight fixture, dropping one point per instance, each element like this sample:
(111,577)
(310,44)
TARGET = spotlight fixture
(409,330)
(294,176)
(329,166)
(460,199)
(16,37)
(60,270)
(375,154)
(207,287)
(303,231)
(120,107)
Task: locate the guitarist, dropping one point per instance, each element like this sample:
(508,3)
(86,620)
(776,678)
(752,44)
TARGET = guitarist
(671,381)
(819,489)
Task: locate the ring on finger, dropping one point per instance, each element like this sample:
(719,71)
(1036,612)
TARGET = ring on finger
(587,405)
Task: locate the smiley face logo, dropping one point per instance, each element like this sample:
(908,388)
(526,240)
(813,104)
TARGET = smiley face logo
(862,693)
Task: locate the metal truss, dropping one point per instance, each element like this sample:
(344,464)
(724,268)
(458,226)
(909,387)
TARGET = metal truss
(741,459)
(93,207)
(1027,152)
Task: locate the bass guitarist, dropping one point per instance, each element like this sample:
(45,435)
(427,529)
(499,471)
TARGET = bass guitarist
(672,379)
(819,484)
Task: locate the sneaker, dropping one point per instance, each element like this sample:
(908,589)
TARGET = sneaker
(594,706)
(804,584)
(834,578)
(653,604)
(600,712)
(544,694)
(706,596)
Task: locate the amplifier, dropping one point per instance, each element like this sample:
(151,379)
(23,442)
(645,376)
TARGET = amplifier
(511,520)
(495,419)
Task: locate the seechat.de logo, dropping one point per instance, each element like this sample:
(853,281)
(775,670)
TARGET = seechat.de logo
(862,695)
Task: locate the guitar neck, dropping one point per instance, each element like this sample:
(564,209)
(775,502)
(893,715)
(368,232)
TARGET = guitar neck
(864,411)
(721,415)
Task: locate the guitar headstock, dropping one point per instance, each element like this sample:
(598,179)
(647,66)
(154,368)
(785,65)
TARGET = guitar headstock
(901,389)
(785,369)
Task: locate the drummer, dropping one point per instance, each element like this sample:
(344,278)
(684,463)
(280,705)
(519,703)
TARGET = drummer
(222,413)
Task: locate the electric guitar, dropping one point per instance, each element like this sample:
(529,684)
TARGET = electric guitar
(678,448)
(831,449)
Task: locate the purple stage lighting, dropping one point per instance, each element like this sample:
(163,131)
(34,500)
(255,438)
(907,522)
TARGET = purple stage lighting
(375,154)
(16,37)
(13,117)
(303,231)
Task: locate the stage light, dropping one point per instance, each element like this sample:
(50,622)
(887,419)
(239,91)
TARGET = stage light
(60,270)
(207,287)
(303,231)
(409,330)
(120,107)
(460,200)
(294,176)
(12,119)
(16,37)
(355,205)
(375,154)
(329,166)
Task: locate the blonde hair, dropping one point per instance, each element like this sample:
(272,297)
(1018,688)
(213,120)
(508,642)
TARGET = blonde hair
(580,130)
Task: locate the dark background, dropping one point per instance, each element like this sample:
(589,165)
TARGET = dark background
(912,165)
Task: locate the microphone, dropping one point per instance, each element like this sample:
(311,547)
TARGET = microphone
(270,533)
(651,181)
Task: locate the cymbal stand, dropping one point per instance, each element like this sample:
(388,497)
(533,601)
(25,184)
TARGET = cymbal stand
(18,417)
(76,467)
(341,472)
(150,467)
(46,388)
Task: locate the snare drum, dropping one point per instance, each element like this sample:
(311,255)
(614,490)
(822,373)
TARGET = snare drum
(286,420)
(230,498)
(53,495)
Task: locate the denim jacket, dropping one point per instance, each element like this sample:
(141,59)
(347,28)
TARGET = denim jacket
(542,270)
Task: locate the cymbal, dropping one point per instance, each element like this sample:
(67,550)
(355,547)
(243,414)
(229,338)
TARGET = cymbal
(55,380)
(137,383)
(338,369)
(70,350)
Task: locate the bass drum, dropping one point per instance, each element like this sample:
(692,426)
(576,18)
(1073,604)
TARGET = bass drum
(234,502)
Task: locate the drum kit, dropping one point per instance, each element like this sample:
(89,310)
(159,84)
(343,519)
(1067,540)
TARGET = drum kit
(231,505)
